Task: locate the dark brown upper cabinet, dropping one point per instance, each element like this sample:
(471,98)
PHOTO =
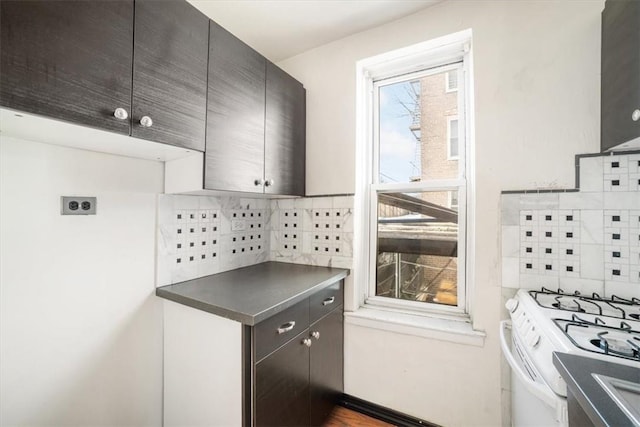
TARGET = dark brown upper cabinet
(74,61)
(170,73)
(284,163)
(620,85)
(234,155)
(69,60)
(255,122)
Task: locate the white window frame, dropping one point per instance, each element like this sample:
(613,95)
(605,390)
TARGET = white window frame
(446,84)
(423,56)
(449,120)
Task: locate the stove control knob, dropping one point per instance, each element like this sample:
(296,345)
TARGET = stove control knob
(533,340)
(511,305)
(520,320)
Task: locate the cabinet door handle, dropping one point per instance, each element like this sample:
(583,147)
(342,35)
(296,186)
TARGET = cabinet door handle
(146,122)
(286,327)
(306,342)
(315,334)
(258,182)
(269,182)
(120,114)
(635,116)
(328,301)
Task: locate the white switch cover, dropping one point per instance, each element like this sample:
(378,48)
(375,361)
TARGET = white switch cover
(237,225)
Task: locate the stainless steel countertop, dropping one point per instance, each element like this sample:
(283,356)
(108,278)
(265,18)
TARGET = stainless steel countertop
(252,294)
(595,401)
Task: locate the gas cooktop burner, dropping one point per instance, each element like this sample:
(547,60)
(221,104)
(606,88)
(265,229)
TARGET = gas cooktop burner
(617,307)
(616,346)
(597,337)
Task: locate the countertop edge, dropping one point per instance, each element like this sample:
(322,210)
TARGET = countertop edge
(245,318)
(593,399)
(297,298)
(199,305)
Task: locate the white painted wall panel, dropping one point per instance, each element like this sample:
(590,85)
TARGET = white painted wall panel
(537,104)
(80,327)
(202,368)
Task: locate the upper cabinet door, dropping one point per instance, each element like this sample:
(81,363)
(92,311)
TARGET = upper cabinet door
(69,60)
(170,73)
(235,119)
(620,96)
(284,134)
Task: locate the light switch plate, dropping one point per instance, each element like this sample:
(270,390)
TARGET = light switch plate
(238,225)
(74,205)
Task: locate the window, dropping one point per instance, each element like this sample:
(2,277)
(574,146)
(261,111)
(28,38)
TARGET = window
(452,138)
(412,178)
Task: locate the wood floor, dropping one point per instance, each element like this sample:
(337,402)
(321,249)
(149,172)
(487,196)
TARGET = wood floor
(343,417)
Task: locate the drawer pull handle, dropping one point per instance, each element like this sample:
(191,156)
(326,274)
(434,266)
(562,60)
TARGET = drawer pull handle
(329,301)
(286,327)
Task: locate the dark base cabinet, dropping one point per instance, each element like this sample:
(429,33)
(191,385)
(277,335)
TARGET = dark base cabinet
(326,367)
(577,416)
(282,386)
(300,382)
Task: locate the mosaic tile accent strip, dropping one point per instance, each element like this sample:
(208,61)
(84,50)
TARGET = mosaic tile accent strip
(587,241)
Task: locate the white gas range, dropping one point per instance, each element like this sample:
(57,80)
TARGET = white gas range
(545,321)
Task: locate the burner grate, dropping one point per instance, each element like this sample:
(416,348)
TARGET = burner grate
(615,306)
(626,348)
(626,343)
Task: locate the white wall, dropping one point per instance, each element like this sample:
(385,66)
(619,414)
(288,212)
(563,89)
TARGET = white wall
(80,327)
(537,74)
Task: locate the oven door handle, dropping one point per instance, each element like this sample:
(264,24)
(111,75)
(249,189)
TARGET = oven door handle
(542,391)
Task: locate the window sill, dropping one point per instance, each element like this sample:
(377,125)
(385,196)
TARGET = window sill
(457,331)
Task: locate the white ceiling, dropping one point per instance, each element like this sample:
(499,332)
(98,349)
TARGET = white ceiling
(279,29)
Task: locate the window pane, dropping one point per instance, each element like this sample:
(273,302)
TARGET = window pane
(413,130)
(453,138)
(417,245)
(452,80)
(399,109)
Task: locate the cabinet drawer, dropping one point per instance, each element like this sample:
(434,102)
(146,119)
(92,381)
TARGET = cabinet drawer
(324,301)
(280,328)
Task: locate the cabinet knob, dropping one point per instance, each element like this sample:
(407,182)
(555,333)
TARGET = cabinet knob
(268,183)
(306,342)
(146,122)
(258,182)
(315,334)
(635,116)
(120,114)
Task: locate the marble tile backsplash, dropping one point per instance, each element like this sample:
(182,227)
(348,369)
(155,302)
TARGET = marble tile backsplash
(586,240)
(198,235)
(315,230)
